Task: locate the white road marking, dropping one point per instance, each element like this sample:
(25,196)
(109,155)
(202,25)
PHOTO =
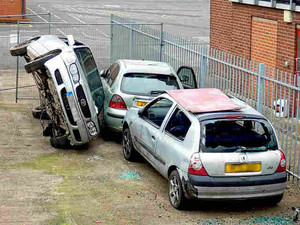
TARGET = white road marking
(81,21)
(43,8)
(57,16)
(46,21)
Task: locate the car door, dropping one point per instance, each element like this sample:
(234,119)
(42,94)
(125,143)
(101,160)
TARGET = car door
(108,79)
(187,77)
(153,118)
(174,146)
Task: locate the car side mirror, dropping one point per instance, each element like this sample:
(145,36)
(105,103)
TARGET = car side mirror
(102,73)
(140,112)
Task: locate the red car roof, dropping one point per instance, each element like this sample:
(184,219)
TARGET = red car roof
(203,100)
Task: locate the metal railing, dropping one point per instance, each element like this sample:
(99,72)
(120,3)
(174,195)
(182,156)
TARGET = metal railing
(272,92)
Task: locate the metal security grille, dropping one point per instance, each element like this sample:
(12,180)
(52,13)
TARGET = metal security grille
(272,92)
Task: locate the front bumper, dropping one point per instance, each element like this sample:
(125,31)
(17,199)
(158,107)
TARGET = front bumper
(237,188)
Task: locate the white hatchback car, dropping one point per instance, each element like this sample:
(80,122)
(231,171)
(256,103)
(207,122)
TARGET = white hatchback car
(208,145)
(128,83)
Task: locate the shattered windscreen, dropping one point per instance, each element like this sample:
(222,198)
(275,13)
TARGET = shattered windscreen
(237,135)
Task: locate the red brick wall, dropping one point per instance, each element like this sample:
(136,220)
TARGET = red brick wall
(264,41)
(231,25)
(12,7)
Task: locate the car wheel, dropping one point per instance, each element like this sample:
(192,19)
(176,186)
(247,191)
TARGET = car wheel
(59,142)
(176,195)
(39,113)
(273,201)
(21,49)
(38,63)
(128,149)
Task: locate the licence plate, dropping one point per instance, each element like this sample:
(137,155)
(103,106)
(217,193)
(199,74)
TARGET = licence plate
(140,103)
(245,167)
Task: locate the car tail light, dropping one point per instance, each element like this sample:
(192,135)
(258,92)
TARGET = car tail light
(196,167)
(117,102)
(282,163)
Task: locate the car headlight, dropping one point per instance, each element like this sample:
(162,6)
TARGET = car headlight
(91,128)
(74,72)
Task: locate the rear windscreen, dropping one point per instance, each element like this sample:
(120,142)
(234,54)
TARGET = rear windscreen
(146,84)
(231,135)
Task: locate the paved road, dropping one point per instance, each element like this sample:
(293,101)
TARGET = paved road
(187,18)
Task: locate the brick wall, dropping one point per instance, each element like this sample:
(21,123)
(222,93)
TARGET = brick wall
(231,25)
(12,7)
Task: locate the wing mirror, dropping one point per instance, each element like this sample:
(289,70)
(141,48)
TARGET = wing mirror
(140,112)
(102,73)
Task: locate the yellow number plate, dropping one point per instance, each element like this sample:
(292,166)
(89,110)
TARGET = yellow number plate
(139,103)
(239,168)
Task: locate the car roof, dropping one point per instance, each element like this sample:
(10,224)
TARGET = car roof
(203,100)
(211,102)
(145,66)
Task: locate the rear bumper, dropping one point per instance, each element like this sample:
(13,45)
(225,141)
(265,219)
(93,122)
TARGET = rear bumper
(114,119)
(205,187)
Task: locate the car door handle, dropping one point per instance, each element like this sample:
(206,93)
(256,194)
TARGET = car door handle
(153,138)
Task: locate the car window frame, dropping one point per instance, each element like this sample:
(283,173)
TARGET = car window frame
(162,126)
(171,114)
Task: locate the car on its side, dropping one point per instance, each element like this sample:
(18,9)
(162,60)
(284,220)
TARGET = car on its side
(130,83)
(69,84)
(209,146)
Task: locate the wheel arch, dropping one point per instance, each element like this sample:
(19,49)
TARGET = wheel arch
(125,125)
(171,168)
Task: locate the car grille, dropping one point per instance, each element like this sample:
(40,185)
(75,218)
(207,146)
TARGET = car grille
(83,102)
(67,106)
(58,77)
(77,135)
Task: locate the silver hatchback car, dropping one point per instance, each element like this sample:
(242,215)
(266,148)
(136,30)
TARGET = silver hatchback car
(69,84)
(208,145)
(130,83)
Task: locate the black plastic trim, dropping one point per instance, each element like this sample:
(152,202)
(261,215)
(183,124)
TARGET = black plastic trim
(207,181)
(115,116)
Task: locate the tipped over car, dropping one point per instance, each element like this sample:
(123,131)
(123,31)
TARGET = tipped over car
(208,145)
(69,84)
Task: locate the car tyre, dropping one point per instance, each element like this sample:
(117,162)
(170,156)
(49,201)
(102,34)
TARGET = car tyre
(21,49)
(59,142)
(176,195)
(38,63)
(128,149)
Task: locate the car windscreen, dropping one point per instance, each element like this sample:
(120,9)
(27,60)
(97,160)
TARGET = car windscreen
(88,65)
(237,135)
(148,84)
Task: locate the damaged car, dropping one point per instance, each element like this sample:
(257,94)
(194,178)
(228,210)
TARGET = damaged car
(208,145)
(70,87)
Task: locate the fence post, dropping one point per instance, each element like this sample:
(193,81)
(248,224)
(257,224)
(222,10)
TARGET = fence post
(203,66)
(260,87)
(49,20)
(111,40)
(161,42)
(131,40)
(17,75)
